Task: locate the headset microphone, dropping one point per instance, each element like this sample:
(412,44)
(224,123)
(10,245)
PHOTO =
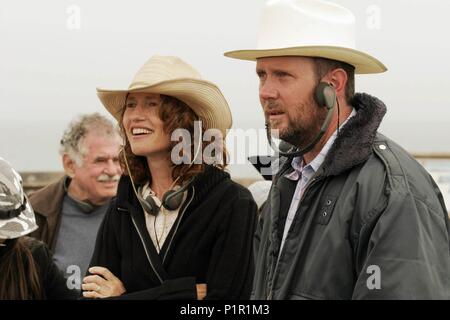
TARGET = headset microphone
(325,96)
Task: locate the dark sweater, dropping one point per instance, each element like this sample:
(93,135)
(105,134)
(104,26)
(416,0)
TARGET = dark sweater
(212,243)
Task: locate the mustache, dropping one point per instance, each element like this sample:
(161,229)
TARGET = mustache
(269,105)
(108,178)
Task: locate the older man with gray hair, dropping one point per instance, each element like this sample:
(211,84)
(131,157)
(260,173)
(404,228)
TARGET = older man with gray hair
(69,211)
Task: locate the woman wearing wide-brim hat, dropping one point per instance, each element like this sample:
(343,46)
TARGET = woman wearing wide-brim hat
(27,270)
(179,227)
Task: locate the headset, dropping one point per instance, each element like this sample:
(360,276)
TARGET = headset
(172,198)
(325,96)
(84,206)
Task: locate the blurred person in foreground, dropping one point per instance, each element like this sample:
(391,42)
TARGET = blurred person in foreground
(27,271)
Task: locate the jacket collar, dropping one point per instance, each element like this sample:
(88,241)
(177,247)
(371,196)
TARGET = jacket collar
(206,181)
(48,200)
(354,144)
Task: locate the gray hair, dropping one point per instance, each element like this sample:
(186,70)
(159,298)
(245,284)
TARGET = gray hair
(72,140)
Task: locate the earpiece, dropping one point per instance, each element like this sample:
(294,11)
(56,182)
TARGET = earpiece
(325,95)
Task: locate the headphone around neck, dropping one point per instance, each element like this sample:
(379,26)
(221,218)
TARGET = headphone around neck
(171,200)
(84,206)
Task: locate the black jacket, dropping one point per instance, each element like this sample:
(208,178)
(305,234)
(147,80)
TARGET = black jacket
(53,283)
(371,224)
(210,242)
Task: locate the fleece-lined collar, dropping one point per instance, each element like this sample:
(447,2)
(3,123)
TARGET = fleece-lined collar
(354,143)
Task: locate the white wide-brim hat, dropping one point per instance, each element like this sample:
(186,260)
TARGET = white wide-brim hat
(173,77)
(16,215)
(309,28)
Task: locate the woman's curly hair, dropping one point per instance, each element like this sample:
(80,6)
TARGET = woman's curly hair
(175,114)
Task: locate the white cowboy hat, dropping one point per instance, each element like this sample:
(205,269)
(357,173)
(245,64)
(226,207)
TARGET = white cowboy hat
(16,215)
(310,28)
(173,77)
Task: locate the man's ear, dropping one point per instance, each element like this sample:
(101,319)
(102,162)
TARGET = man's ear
(69,165)
(338,79)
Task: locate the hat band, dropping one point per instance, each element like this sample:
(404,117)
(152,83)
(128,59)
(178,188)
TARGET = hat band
(11,214)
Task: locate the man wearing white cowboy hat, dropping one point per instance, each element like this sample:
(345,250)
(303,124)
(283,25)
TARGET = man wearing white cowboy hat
(351,215)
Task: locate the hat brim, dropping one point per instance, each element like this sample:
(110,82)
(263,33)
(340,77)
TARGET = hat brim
(363,62)
(17,227)
(203,97)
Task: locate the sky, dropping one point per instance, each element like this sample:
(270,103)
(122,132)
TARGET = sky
(54,53)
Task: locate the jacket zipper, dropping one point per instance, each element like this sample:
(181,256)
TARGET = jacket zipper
(142,239)
(146,251)
(307,187)
(179,221)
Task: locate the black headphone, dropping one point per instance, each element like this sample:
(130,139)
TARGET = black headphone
(325,96)
(171,200)
(84,206)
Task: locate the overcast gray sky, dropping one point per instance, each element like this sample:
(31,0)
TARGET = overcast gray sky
(54,53)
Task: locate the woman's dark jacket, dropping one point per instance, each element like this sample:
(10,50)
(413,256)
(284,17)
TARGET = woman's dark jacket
(210,242)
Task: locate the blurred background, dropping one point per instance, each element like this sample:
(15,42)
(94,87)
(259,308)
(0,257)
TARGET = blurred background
(54,53)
